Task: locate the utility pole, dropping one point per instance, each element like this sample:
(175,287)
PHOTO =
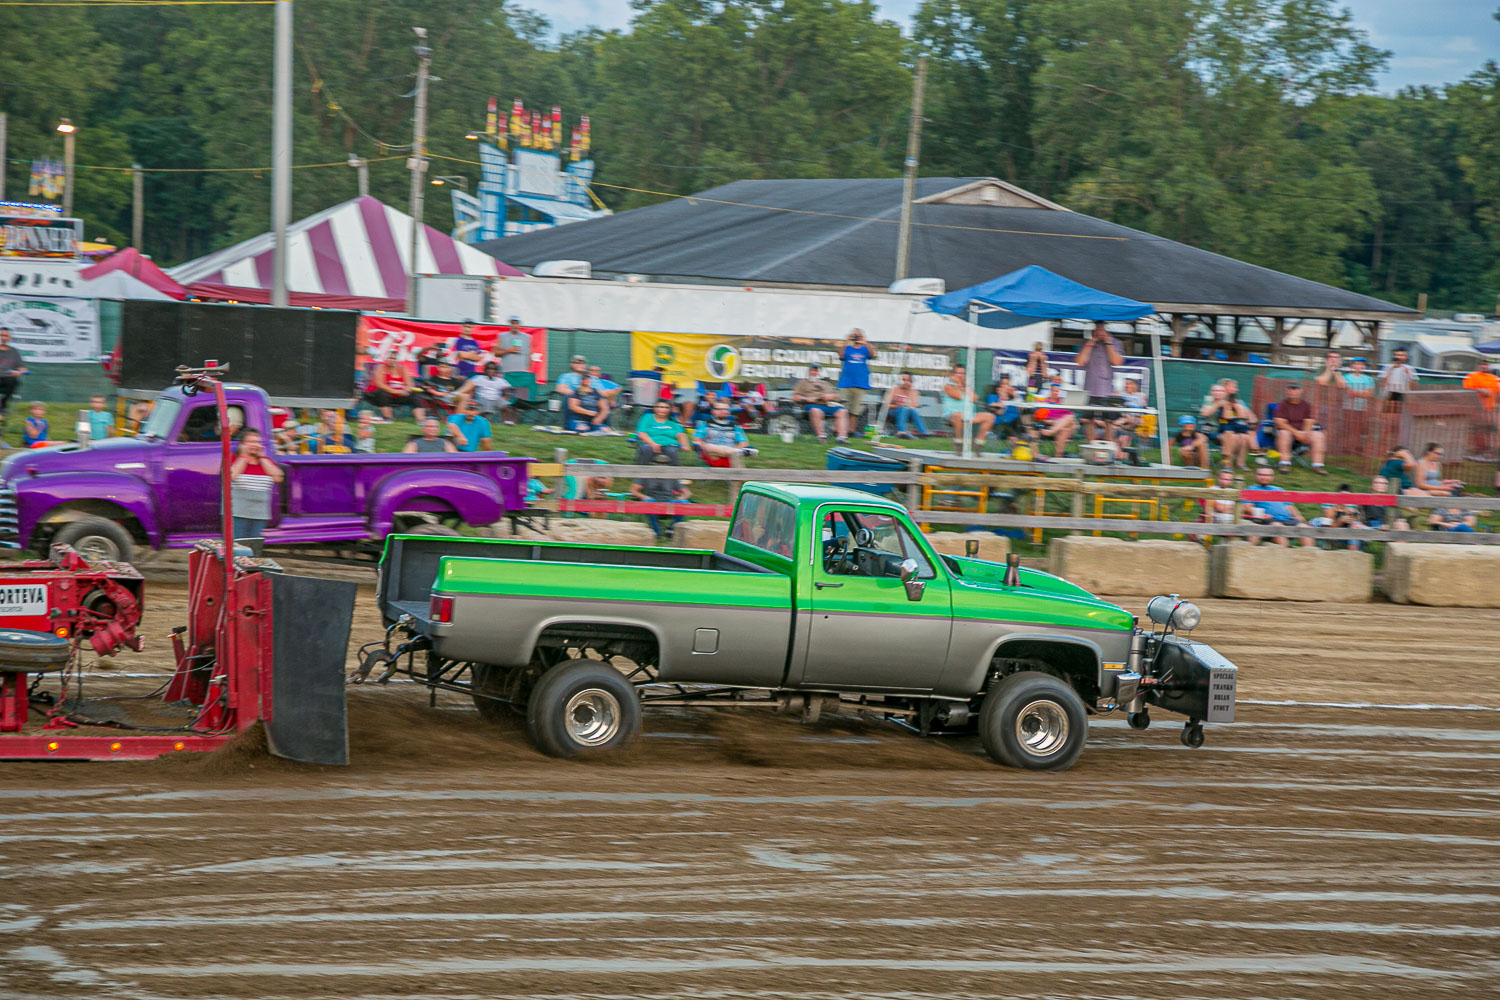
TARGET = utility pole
(418,161)
(3,161)
(68,129)
(362,165)
(281,149)
(913,151)
(138,204)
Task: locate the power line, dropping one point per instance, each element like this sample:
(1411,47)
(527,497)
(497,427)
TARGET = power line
(219,170)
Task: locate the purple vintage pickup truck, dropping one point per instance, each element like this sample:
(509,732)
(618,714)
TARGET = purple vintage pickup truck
(160,489)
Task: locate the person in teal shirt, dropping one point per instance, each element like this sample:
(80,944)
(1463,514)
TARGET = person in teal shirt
(659,433)
(469,431)
(1361,384)
(101,421)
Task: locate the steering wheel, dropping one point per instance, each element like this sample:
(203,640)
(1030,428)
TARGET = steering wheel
(835,554)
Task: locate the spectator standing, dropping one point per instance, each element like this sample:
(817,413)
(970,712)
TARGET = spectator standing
(513,348)
(1036,367)
(1295,425)
(1190,442)
(1361,385)
(1271,511)
(431,441)
(1098,357)
(1397,378)
(903,402)
(658,433)
(252,477)
(821,400)
(11,370)
(854,375)
(101,421)
(1484,382)
(37,426)
(391,387)
(487,390)
(719,437)
(470,431)
(467,350)
(956,393)
(439,391)
(1331,376)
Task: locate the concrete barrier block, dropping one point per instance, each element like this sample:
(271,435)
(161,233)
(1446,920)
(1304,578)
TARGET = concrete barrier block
(1122,566)
(594,531)
(700,535)
(1272,573)
(1444,576)
(993,548)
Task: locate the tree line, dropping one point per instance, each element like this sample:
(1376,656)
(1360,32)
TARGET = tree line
(1246,127)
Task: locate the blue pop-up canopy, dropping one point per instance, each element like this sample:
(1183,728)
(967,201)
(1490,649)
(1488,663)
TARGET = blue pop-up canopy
(1492,347)
(1035,293)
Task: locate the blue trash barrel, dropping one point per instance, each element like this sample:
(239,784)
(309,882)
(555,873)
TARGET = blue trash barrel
(843,459)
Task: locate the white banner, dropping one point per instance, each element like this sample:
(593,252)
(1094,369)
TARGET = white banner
(52,331)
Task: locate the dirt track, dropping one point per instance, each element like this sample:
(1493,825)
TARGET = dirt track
(1305,851)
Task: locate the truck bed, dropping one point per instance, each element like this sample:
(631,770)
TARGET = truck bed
(411,563)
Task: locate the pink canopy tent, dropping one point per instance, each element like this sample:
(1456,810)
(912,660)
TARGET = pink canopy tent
(350,256)
(136,264)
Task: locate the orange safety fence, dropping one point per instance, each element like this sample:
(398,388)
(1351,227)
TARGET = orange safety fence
(1361,432)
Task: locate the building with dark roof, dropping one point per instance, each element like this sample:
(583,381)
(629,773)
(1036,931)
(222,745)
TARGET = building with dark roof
(842,234)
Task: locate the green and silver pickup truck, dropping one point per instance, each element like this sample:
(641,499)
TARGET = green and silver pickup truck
(824,599)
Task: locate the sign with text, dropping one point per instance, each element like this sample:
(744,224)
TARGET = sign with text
(779,362)
(52,331)
(1013,363)
(40,238)
(382,337)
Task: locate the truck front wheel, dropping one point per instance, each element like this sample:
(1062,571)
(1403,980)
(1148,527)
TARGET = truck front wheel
(96,539)
(583,707)
(1033,721)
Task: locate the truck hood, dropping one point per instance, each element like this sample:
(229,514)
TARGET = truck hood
(110,454)
(982,575)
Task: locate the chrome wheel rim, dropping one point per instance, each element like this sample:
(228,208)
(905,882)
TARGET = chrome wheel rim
(97,548)
(592,717)
(1042,728)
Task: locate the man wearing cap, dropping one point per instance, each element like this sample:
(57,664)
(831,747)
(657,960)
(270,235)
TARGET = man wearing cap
(567,382)
(514,348)
(1098,357)
(821,401)
(854,374)
(1190,442)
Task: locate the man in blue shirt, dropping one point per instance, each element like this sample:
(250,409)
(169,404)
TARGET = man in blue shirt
(1268,511)
(467,350)
(469,431)
(567,382)
(854,376)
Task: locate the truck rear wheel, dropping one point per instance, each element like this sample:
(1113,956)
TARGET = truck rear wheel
(96,539)
(583,707)
(1033,721)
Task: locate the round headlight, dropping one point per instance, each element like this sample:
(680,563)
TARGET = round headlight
(1187,616)
(1174,611)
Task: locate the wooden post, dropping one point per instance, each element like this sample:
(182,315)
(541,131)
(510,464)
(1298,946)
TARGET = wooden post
(1278,340)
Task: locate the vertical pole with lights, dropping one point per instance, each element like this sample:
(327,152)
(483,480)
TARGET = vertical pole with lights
(68,129)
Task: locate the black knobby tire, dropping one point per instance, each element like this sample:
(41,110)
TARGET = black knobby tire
(96,538)
(485,679)
(583,707)
(1033,721)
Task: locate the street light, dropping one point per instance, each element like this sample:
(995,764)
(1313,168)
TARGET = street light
(67,128)
(472,136)
(462,182)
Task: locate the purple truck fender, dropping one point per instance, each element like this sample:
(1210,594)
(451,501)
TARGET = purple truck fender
(473,497)
(38,496)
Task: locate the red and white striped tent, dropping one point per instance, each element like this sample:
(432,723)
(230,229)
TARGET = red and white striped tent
(350,256)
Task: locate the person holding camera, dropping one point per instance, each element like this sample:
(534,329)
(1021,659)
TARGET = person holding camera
(1098,357)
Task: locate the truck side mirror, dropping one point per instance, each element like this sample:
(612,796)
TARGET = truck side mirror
(914,587)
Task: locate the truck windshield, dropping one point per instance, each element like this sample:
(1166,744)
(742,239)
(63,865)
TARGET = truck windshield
(163,415)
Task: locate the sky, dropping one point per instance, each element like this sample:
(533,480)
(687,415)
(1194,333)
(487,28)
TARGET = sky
(1431,41)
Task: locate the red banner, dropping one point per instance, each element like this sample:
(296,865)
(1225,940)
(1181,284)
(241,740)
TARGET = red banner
(382,337)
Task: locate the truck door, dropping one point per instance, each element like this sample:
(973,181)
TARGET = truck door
(863,631)
(190,469)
